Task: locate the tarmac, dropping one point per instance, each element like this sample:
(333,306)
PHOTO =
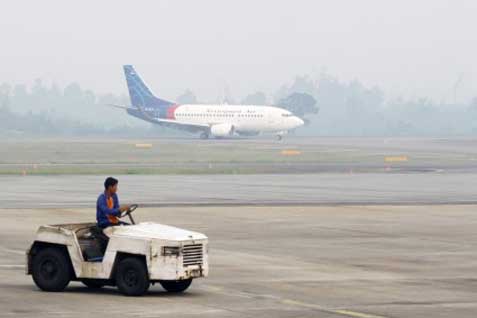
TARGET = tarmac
(236,190)
(294,261)
(382,244)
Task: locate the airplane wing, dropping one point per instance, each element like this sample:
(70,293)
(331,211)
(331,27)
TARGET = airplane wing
(121,106)
(192,127)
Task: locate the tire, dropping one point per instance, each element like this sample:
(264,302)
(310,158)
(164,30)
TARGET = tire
(176,286)
(132,278)
(204,136)
(51,269)
(93,283)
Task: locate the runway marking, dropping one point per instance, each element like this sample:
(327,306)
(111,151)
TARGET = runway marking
(342,312)
(258,203)
(8,250)
(307,305)
(142,313)
(355,314)
(12,266)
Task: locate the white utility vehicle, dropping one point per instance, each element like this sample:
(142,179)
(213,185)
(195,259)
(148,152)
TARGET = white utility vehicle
(136,256)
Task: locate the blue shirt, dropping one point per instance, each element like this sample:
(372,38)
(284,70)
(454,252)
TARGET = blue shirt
(102,210)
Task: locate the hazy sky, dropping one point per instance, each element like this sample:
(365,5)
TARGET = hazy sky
(409,47)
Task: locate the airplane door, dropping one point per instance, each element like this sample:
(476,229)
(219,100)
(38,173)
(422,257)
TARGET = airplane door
(273,120)
(270,118)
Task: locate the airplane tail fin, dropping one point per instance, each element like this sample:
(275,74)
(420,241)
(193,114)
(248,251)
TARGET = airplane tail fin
(140,95)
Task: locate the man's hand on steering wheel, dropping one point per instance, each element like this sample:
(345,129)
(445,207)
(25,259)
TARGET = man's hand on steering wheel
(123,208)
(127,210)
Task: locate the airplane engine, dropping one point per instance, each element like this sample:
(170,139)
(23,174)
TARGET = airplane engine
(222,130)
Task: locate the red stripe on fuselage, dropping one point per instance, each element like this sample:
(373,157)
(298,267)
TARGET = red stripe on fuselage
(171,112)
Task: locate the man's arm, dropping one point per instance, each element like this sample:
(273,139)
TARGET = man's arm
(117,206)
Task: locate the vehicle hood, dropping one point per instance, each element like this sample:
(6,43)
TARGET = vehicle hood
(156,231)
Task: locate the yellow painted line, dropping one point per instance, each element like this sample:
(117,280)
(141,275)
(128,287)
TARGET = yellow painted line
(291,152)
(144,146)
(396,159)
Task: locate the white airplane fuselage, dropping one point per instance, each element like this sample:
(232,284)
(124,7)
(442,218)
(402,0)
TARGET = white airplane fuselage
(241,118)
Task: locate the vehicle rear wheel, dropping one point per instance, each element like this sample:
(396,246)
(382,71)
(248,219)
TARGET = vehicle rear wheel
(131,277)
(176,286)
(93,283)
(51,269)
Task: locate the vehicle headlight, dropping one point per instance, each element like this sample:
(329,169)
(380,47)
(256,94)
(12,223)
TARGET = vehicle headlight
(170,251)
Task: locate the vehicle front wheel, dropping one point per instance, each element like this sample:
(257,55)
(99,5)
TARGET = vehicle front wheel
(131,277)
(51,269)
(176,286)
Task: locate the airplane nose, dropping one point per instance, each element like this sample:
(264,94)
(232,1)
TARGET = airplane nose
(299,122)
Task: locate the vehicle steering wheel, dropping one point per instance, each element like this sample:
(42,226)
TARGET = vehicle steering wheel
(128,212)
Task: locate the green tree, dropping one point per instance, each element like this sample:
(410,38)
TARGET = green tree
(300,104)
(257,98)
(188,97)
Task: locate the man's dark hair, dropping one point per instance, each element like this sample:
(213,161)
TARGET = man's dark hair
(110,182)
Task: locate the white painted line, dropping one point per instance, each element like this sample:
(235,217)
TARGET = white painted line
(355,314)
(342,312)
(12,266)
(8,250)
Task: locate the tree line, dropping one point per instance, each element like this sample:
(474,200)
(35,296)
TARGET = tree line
(329,106)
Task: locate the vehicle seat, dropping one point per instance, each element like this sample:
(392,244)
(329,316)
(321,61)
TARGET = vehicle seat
(93,244)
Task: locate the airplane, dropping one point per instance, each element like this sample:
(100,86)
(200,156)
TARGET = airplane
(219,121)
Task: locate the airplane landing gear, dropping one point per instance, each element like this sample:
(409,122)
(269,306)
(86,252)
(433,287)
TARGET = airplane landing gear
(280,134)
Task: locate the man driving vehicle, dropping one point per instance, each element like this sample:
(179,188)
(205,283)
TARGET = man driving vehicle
(108,211)
(107,205)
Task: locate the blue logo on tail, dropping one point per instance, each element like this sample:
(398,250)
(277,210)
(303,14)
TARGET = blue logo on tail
(141,96)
